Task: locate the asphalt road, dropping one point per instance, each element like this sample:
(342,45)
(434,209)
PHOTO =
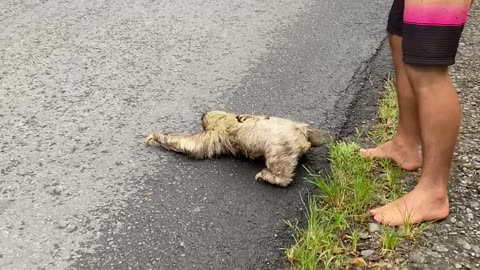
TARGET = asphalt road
(83,82)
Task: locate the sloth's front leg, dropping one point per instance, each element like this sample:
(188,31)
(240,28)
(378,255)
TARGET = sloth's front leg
(199,146)
(267,176)
(172,143)
(280,168)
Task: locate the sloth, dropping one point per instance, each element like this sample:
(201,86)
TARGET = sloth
(280,142)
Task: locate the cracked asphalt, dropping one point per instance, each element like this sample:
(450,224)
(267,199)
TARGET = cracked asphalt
(83,82)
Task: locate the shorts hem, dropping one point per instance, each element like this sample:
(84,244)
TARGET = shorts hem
(421,61)
(394,32)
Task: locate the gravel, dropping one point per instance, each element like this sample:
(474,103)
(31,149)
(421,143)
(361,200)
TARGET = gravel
(373,227)
(364,235)
(367,253)
(454,242)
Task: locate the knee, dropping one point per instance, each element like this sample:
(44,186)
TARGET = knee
(426,78)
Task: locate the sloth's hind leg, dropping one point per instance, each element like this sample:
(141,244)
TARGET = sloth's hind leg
(280,169)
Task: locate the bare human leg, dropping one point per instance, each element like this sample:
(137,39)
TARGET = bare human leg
(439,111)
(404,147)
(429,47)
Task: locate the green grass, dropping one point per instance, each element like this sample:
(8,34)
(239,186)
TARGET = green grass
(387,123)
(355,236)
(343,201)
(390,240)
(411,232)
(337,214)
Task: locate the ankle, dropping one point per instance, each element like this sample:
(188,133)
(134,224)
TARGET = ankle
(405,142)
(434,191)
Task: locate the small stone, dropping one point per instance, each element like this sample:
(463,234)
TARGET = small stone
(364,235)
(467,246)
(367,253)
(453,220)
(71,228)
(441,248)
(417,258)
(458,266)
(459,224)
(373,227)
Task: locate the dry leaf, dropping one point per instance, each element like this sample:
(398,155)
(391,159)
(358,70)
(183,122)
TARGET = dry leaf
(359,261)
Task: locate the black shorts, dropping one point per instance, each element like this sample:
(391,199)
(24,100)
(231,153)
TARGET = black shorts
(431,32)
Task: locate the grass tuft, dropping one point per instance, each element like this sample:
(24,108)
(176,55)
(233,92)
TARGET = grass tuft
(390,240)
(355,239)
(411,231)
(387,124)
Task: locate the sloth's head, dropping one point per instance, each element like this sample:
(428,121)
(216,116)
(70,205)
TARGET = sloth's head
(218,120)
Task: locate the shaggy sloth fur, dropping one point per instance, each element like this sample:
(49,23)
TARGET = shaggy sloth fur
(280,141)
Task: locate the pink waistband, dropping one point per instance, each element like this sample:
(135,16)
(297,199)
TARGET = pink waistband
(436,14)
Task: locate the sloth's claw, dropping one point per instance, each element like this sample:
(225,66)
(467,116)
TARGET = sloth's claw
(148,139)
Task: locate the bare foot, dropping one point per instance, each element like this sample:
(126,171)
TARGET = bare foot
(406,157)
(419,205)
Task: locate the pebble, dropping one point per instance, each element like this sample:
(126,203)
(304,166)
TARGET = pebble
(417,258)
(428,234)
(367,253)
(458,266)
(434,254)
(364,235)
(441,248)
(460,224)
(467,246)
(373,227)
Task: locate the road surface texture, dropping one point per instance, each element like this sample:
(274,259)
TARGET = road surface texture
(83,82)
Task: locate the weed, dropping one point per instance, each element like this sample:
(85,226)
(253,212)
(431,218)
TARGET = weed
(390,240)
(355,239)
(410,231)
(387,114)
